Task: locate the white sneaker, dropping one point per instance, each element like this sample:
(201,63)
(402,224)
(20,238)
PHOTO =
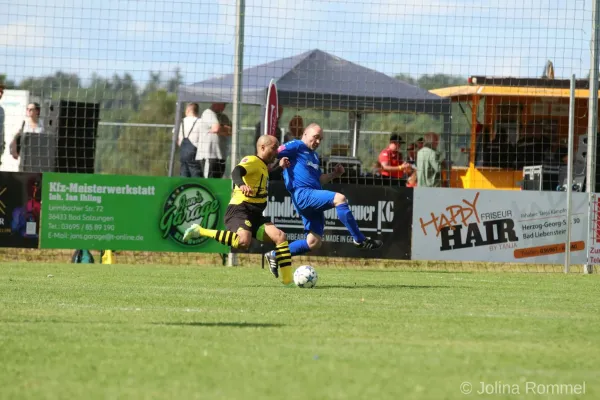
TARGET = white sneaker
(193,232)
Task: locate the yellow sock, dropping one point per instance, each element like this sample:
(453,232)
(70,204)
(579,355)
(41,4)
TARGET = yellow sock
(287,275)
(284,260)
(225,237)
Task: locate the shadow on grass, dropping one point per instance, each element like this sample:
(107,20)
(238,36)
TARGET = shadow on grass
(425,271)
(379,287)
(221,324)
(207,324)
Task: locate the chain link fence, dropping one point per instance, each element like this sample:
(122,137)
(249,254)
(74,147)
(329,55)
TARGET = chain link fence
(488,79)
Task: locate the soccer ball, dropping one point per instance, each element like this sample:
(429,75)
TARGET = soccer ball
(305,276)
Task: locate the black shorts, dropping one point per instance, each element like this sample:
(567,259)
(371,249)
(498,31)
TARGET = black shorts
(245,216)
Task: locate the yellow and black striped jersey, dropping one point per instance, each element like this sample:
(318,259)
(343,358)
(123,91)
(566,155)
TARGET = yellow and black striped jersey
(257,178)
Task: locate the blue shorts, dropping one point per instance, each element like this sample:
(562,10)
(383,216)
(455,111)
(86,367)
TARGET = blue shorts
(311,205)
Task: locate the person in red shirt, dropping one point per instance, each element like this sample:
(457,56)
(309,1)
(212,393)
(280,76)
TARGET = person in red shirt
(392,165)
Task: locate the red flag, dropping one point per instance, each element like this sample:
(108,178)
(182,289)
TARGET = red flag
(272,110)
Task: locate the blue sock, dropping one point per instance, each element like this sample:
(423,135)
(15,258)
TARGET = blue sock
(298,247)
(345,215)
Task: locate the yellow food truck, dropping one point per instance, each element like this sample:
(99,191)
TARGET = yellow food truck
(510,123)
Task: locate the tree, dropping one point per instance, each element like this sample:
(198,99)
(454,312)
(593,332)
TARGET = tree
(126,96)
(46,85)
(153,83)
(174,83)
(8,84)
(406,78)
(437,81)
(145,150)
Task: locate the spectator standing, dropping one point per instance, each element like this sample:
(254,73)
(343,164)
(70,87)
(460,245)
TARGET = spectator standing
(213,142)
(31,124)
(189,134)
(429,163)
(419,144)
(392,165)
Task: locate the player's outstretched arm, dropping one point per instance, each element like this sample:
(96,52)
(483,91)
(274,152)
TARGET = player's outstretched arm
(279,165)
(336,173)
(285,163)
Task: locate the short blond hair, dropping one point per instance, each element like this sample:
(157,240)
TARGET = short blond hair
(194,107)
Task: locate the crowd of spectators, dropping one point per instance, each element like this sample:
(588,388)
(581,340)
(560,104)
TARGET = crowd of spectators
(421,166)
(204,142)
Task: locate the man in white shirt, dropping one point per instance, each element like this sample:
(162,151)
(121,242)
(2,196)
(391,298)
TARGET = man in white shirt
(213,143)
(189,133)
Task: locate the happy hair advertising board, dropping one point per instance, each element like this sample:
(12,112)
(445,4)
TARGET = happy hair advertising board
(497,226)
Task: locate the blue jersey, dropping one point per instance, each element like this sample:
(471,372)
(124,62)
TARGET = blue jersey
(304,171)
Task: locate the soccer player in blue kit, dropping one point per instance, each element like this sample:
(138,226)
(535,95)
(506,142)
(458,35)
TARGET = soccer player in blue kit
(303,179)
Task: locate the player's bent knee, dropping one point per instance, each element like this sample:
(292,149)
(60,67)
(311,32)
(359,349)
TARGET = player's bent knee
(282,237)
(269,232)
(245,239)
(278,236)
(244,244)
(314,242)
(339,199)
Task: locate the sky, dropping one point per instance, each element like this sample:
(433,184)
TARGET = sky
(415,37)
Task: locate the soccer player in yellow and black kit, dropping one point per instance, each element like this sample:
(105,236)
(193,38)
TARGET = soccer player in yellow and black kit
(244,216)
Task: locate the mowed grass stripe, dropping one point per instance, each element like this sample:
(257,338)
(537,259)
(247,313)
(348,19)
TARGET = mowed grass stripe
(123,331)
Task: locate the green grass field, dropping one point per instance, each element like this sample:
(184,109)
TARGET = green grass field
(133,332)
